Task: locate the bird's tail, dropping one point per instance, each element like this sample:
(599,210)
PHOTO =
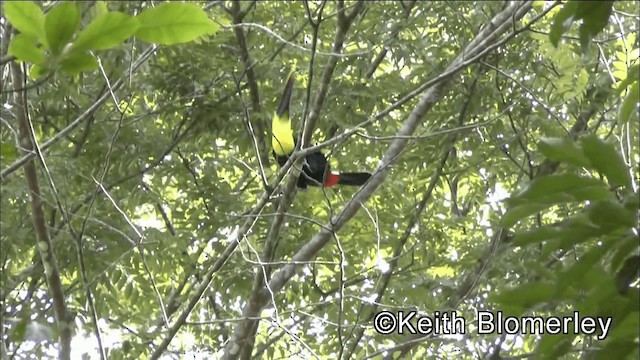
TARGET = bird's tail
(285,100)
(282,139)
(353,178)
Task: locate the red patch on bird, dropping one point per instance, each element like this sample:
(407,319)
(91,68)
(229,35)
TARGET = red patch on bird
(332,179)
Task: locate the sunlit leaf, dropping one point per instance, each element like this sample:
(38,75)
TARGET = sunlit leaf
(173,23)
(60,23)
(27,17)
(24,48)
(106,31)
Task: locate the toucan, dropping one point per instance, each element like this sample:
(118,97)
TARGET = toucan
(316,170)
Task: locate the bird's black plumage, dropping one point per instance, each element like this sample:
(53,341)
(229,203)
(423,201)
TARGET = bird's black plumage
(316,170)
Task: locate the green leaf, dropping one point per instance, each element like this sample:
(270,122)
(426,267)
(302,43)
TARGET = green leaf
(60,25)
(19,330)
(603,292)
(26,17)
(618,350)
(106,31)
(128,290)
(518,212)
(585,39)
(24,48)
(625,246)
(629,104)
(100,8)
(8,151)
(552,189)
(627,327)
(173,23)
(553,346)
(568,236)
(610,215)
(595,16)
(36,71)
(606,160)
(632,77)
(535,236)
(631,202)
(74,64)
(526,295)
(562,22)
(560,188)
(578,228)
(562,149)
(576,274)
(116,275)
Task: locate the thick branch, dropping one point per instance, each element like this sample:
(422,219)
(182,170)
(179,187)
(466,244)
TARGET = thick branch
(308,252)
(264,271)
(44,244)
(597,95)
(384,279)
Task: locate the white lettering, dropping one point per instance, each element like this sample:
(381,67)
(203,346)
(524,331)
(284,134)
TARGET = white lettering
(511,325)
(605,327)
(485,322)
(554,325)
(535,325)
(404,322)
(425,325)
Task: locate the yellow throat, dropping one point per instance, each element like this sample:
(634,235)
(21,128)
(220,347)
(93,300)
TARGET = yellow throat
(282,138)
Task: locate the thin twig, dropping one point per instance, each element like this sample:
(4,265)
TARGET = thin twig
(300,47)
(85,115)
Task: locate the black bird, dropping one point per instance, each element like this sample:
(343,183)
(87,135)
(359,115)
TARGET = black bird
(316,170)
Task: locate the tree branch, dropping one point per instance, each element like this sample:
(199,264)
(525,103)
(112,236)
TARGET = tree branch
(259,134)
(44,245)
(309,122)
(497,243)
(384,279)
(220,261)
(478,47)
(84,116)
(246,343)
